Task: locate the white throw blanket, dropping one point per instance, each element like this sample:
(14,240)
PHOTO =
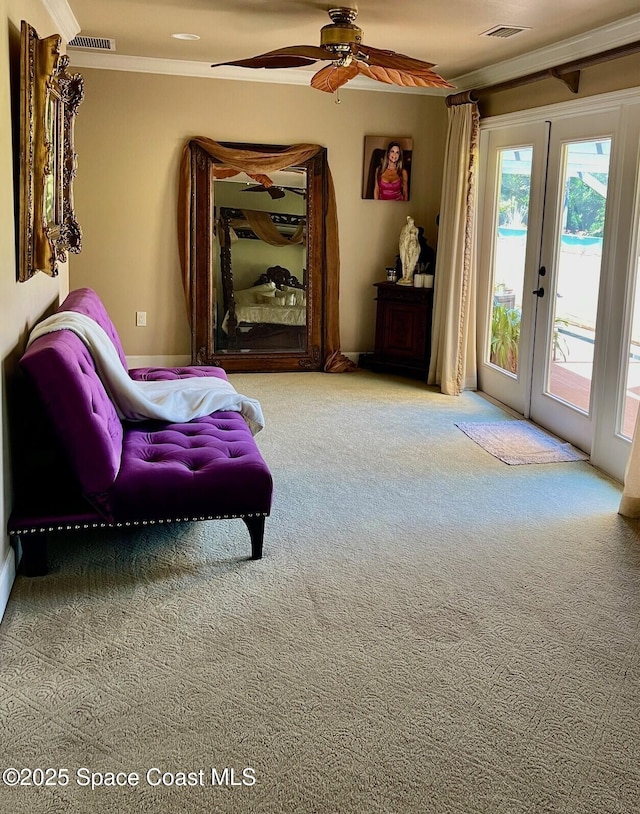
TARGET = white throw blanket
(174,400)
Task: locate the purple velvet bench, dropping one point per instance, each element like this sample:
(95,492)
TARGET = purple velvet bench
(115,473)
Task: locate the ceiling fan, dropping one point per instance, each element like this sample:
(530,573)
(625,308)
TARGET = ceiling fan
(274,191)
(341,43)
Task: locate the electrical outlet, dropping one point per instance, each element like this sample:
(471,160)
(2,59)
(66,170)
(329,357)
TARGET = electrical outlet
(141,319)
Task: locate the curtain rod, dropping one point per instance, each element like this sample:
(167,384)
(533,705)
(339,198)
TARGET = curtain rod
(463,98)
(568,72)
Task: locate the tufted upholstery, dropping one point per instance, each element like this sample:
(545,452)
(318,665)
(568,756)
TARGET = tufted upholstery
(87,302)
(83,416)
(136,472)
(209,465)
(151,374)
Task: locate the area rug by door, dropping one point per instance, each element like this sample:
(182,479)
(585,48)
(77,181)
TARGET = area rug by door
(520,442)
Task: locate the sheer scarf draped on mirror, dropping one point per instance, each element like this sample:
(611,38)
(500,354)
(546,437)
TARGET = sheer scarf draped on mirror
(258,164)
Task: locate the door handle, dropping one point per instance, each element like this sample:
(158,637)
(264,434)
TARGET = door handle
(539,292)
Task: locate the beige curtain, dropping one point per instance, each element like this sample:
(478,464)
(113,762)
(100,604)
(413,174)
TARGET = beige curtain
(453,363)
(257,165)
(630,503)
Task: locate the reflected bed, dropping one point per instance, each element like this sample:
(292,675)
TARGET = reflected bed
(272,313)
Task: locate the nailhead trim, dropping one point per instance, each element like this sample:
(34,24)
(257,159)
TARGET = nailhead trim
(128,523)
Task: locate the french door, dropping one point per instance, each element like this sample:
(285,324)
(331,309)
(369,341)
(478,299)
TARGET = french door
(514,172)
(558,263)
(567,327)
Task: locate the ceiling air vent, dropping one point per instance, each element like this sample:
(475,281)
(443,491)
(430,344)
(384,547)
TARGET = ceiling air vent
(504,31)
(94,43)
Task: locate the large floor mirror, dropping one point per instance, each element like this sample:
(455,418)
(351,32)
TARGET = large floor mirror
(257,261)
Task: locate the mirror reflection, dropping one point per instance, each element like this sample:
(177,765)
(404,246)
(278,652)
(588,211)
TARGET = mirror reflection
(260,261)
(254,254)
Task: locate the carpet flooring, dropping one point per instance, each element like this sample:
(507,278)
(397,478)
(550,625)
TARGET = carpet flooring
(429,631)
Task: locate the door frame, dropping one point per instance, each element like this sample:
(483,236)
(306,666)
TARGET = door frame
(609,449)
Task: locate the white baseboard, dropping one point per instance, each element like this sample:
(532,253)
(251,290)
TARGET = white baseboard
(7,578)
(158,361)
(354,355)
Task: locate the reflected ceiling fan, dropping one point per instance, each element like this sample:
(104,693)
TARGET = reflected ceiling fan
(341,43)
(274,192)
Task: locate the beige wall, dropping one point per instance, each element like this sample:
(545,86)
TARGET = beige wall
(618,74)
(22,304)
(129,135)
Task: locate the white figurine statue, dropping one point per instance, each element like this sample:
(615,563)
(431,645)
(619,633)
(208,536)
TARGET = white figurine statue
(409,251)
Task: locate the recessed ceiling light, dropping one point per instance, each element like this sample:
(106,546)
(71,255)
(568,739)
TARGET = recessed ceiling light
(185,36)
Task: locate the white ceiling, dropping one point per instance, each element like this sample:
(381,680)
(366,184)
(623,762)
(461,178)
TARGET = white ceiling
(445,32)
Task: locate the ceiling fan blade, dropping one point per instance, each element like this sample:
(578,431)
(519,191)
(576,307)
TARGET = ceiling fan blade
(261,179)
(274,192)
(295,56)
(332,77)
(391,59)
(405,79)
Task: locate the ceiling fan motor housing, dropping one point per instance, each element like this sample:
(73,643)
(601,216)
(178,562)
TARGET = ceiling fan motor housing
(341,34)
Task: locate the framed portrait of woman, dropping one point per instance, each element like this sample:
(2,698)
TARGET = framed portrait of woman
(387,168)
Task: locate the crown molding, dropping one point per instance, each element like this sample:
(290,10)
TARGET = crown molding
(604,38)
(602,103)
(174,67)
(608,36)
(63,18)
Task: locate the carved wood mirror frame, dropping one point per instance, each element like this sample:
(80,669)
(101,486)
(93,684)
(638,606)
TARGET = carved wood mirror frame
(203,350)
(49,101)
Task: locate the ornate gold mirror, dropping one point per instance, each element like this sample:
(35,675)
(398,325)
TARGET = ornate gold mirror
(49,100)
(257,256)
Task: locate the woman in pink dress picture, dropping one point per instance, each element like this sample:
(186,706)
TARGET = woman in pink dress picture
(392,180)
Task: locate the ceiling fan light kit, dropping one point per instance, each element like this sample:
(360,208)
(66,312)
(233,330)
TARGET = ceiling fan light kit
(341,45)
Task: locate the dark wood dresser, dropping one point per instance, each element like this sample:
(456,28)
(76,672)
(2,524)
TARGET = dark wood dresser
(403,331)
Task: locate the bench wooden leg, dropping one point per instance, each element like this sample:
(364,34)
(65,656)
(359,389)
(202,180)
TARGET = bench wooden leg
(256,532)
(34,561)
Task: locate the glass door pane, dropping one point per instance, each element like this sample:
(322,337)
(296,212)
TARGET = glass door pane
(632,378)
(578,259)
(509,256)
